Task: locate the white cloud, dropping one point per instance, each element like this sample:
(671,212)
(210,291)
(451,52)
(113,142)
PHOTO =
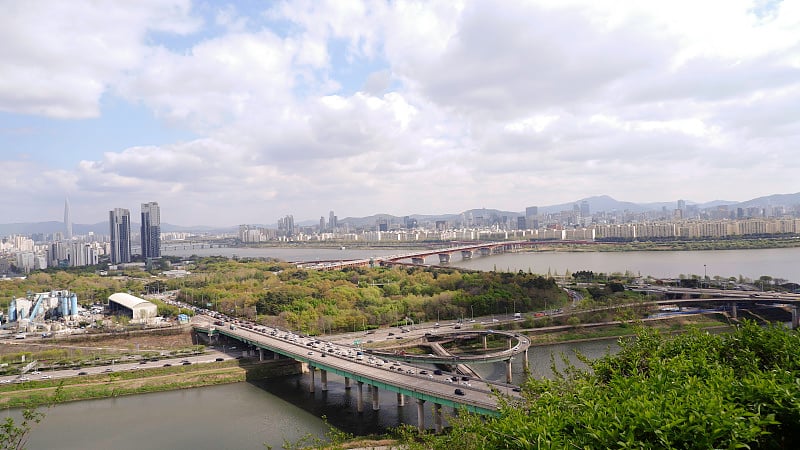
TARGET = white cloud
(408,107)
(58,58)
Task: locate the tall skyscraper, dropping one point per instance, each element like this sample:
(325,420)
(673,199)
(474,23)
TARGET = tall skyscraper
(151,230)
(332,222)
(119,220)
(532,217)
(67,219)
(585,209)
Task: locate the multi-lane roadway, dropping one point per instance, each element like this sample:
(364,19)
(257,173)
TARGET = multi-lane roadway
(356,364)
(120,365)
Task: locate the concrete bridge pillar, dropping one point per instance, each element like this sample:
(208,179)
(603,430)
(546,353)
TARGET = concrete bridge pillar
(485,346)
(346,383)
(525,362)
(421,415)
(376,405)
(401,399)
(311,370)
(323,378)
(485,251)
(437,418)
(276,355)
(510,342)
(734,312)
(360,397)
(444,258)
(508,371)
(795,317)
(260,354)
(466,254)
(418,260)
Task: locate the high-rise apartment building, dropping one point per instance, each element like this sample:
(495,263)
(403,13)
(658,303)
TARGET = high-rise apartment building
(151,230)
(532,217)
(119,220)
(286,225)
(332,219)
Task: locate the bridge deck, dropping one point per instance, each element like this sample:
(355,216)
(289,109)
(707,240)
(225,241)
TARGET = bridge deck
(480,396)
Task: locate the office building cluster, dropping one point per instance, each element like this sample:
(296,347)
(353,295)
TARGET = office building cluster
(119,220)
(69,249)
(288,230)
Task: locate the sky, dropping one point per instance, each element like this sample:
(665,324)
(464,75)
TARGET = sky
(244,112)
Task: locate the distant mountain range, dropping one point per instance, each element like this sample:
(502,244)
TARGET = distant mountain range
(596,204)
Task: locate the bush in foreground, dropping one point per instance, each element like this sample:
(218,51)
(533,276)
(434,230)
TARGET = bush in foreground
(737,390)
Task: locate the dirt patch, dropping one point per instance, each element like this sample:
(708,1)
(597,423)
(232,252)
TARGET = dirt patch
(146,341)
(157,340)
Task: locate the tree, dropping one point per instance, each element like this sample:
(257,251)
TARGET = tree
(13,435)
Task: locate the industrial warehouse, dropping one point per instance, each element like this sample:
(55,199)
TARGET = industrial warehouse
(138,309)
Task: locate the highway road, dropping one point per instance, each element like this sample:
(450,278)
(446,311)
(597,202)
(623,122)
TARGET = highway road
(125,364)
(346,359)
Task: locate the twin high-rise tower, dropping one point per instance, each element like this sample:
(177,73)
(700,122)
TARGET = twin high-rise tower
(119,220)
(151,230)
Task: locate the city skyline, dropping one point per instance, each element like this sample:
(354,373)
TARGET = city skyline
(788,203)
(243,113)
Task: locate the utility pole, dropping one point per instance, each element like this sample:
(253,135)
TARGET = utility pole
(705,275)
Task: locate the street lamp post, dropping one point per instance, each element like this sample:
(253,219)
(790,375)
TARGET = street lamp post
(705,275)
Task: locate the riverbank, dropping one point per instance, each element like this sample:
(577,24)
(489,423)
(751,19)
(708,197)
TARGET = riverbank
(678,324)
(116,384)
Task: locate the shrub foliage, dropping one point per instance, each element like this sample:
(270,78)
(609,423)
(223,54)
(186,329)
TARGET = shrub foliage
(697,390)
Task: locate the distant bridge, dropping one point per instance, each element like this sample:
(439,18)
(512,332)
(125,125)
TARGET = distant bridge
(733,298)
(467,251)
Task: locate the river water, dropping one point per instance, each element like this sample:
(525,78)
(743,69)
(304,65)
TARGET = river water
(249,415)
(777,263)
